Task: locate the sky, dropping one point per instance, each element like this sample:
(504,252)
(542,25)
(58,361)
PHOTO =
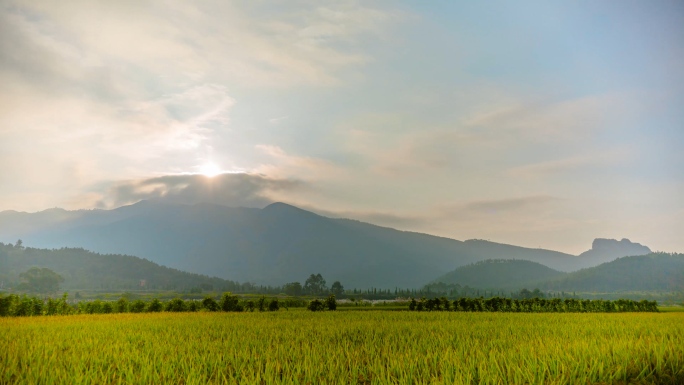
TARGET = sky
(535,123)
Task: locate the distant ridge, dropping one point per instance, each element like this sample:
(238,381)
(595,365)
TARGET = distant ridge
(277,244)
(659,272)
(651,272)
(504,274)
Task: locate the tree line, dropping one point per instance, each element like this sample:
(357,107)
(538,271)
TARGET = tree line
(532,305)
(17,306)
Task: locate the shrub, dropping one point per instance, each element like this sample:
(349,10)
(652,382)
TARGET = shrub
(107,307)
(230,302)
(192,306)
(210,304)
(138,306)
(155,306)
(175,305)
(51,307)
(316,305)
(5,303)
(121,306)
(330,302)
(261,304)
(93,307)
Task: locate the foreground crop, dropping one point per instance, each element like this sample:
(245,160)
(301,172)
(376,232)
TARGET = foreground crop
(344,347)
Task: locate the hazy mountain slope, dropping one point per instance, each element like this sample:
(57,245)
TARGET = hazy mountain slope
(606,250)
(278,244)
(652,272)
(500,274)
(84,270)
(483,250)
(274,245)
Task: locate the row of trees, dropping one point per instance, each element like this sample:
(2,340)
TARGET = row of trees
(18,306)
(532,305)
(314,285)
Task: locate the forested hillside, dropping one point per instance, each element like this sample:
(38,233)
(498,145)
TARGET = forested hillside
(661,272)
(652,272)
(85,270)
(506,274)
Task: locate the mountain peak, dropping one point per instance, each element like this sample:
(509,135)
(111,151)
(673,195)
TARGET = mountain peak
(601,244)
(280,207)
(605,250)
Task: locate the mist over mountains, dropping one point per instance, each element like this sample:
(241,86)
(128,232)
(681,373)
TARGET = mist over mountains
(278,244)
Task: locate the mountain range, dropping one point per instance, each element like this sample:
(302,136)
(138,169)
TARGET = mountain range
(278,244)
(654,272)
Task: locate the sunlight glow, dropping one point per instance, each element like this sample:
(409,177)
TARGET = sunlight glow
(209,169)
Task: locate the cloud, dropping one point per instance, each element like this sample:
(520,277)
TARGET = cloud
(302,166)
(255,44)
(375,217)
(508,204)
(276,121)
(551,119)
(557,166)
(236,190)
(132,89)
(504,215)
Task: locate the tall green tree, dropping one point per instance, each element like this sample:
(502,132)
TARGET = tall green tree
(293,288)
(315,284)
(40,280)
(337,288)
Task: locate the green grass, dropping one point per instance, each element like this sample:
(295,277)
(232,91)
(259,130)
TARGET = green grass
(373,308)
(298,347)
(671,309)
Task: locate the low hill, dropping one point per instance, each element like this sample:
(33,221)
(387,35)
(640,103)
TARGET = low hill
(500,274)
(85,270)
(660,272)
(651,272)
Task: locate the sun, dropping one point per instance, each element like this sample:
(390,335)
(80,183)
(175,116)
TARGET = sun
(209,169)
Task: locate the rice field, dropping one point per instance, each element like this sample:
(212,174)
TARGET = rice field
(299,347)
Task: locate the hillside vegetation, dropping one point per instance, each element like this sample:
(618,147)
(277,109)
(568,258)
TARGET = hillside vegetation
(499,274)
(662,272)
(85,270)
(652,272)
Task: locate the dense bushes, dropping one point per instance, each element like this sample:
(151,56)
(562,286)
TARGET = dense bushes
(317,305)
(533,305)
(22,306)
